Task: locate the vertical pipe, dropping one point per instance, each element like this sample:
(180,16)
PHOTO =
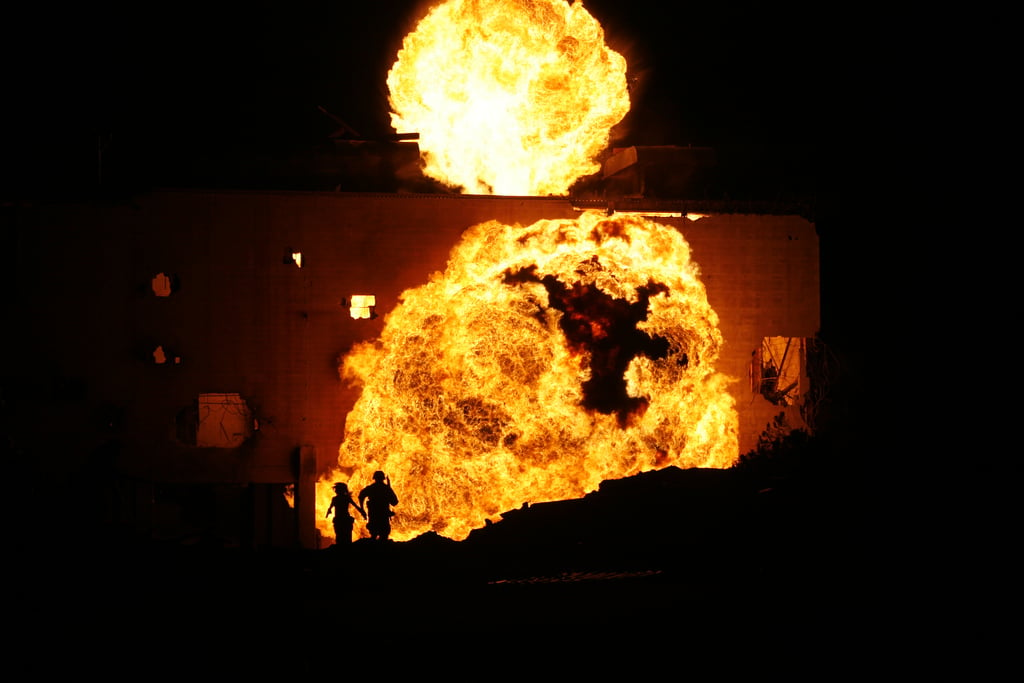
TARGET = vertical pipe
(305,498)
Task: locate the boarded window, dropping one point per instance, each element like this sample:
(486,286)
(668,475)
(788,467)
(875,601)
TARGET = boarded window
(225,421)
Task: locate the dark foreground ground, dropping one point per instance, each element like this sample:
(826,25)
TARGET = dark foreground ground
(703,573)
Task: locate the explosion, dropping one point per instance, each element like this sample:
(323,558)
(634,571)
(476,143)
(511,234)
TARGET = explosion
(511,97)
(543,361)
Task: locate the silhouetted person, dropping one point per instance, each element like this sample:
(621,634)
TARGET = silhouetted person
(343,519)
(380,497)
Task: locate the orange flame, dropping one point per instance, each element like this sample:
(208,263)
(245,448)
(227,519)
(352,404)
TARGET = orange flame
(512,97)
(543,361)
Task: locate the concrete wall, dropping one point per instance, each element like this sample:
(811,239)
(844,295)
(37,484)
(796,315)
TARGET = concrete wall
(762,277)
(78,364)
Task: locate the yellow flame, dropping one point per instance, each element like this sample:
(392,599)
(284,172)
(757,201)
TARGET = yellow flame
(541,362)
(513,97)
(544,359)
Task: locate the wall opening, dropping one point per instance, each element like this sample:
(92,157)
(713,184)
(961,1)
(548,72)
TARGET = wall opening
(361,306)
(777,369)
(164,285)
(162,356)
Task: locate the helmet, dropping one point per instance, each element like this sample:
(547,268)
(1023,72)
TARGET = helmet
(378,476)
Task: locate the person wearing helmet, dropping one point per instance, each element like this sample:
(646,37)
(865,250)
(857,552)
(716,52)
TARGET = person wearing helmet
(378,498)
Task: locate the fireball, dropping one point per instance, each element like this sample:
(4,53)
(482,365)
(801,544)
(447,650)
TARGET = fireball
(511,97)
(542,361)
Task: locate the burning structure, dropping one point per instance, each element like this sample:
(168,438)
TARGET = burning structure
(210,361)
(200,333)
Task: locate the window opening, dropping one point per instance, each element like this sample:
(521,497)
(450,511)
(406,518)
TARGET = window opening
(776,369)
(361,306)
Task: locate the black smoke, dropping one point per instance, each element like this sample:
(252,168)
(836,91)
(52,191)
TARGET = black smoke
(604,327)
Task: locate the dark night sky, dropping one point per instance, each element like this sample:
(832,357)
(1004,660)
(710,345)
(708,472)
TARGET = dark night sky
(758,78)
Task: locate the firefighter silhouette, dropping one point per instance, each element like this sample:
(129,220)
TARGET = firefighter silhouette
(379,497)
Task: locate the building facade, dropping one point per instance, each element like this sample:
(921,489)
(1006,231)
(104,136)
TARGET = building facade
(174,357)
